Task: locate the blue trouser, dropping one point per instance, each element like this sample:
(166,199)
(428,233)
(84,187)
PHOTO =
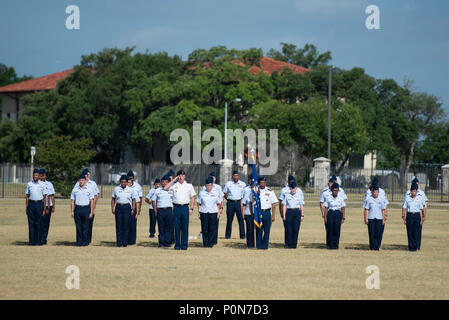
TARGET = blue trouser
(293,223)
(209,228)
(81,214)
(413,223)
(215,240)
(165,226)
(132,233)
(122,217)
(375,233)
(233,207)
(152,222)
(34,215)
(45,225)
(420,234)
(181,222)
(249,231)
(285,232)
(263,233)
(333,228)
(90,225)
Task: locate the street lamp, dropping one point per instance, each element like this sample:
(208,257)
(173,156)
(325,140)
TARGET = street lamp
(33,153)
(226,127)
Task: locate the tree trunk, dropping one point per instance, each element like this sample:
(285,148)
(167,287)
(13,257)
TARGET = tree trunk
(405,164)
(342,165)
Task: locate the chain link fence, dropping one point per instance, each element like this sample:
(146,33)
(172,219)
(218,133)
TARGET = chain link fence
(355,181)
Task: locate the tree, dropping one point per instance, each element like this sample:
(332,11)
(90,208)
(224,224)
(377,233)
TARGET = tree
(349,134)
(63,157)
(435,147)
(8,75)
(307,57)
(410,115)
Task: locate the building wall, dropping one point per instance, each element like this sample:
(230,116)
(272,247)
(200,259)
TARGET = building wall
(9,106)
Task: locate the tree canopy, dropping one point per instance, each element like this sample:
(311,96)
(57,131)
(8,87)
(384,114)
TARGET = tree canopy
(117,98)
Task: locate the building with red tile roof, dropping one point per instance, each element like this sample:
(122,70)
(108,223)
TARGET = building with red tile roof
(12,93)
(269,65)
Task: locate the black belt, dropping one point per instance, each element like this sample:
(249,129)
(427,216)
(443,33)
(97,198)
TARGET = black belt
(181,205)
(265,210)
(164,208)
(123,204)
(78,205)
(339,210)
(234,200)
(413,212)
(36,200)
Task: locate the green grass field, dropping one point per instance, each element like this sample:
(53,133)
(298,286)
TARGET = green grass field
(228,271)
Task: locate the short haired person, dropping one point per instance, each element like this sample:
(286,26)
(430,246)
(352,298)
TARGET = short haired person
(268,202)
(82,205)
(326,192)
(334,216)
(35,197)
(293,213)
(285,189)
(132,235)
(183,201)
(375,208)
(218,188)
(420,195)
(93,185)
(233,192)
(122,205)
(49,206)
(413,217)
(209,202)
(162,201)
(152,216)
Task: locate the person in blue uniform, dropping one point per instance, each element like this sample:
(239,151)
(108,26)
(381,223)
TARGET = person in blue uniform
(132,234)
(334,216)
(413,219)
(285,189)
(268,202)
(233,193)
(209,202)
(249,219)
(82,205)
(122,204)
(49,206)
(92,185)
(183,201)
(325,193)
(218,188)
(162,201)
(153,219)
(420,195)
(293,213)
(375,208)
(35,197)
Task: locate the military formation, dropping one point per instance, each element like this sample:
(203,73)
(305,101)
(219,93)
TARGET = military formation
(172,201)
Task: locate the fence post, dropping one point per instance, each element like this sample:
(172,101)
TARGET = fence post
(392,186)
(3,181)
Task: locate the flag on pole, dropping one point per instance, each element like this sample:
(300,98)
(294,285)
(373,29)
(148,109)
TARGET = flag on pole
(257,211)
